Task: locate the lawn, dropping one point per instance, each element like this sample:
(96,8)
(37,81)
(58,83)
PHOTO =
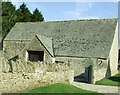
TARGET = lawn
(61,88)
(113,81)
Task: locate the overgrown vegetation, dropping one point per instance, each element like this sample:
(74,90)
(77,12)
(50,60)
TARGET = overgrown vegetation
(61,88)
(113,81)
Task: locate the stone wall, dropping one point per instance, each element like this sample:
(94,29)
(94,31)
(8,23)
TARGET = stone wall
(35,45)
(20,76)
(100,70)
(23,82)
(114,54)
(100,66)
(19,66)
(12,48)
(79,65)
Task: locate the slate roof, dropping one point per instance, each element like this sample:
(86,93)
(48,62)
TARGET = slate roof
(80,38)
(47,42)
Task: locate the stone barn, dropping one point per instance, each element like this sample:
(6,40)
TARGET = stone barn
(89,46)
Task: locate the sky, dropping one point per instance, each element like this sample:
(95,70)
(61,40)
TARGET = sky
(73,10)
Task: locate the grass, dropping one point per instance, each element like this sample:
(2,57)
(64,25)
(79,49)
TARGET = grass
(113,81)
(62,88)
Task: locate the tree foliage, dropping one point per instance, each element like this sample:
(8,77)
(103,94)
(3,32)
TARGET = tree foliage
(11,15)
(23,14)
(37,16)
(8,17)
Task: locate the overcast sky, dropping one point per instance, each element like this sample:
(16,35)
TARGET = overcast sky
(73,10)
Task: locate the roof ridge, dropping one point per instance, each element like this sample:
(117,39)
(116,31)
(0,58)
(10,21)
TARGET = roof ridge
(85,20)
(100,19)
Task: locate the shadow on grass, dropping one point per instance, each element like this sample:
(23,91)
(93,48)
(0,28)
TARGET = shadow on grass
(113,81)
(116,79)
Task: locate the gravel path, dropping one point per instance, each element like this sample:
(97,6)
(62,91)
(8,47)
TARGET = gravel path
(98,88)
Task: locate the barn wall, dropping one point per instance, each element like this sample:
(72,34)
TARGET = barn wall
(35,45)
(11,48)
(101,69)
(79,64)
(114,54)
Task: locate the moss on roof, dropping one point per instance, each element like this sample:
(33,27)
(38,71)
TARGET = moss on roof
(82,38)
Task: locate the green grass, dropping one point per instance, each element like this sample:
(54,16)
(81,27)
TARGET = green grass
(61,88)
(113,81)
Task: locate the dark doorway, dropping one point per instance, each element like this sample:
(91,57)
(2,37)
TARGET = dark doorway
(90,74)
(35,56)
(85,77)
(118,60)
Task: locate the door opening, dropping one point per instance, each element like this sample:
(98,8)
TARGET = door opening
(87,76)
(35,56)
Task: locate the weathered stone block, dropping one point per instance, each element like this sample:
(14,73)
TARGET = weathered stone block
(30,67)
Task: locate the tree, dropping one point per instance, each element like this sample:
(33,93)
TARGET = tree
(8,17)
(37,16)
(23,14)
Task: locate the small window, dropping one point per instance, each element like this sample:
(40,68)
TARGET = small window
(35,56)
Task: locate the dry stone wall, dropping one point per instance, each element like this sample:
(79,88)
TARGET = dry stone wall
(32,67)
(19,76)
(23,82)
(12,48)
